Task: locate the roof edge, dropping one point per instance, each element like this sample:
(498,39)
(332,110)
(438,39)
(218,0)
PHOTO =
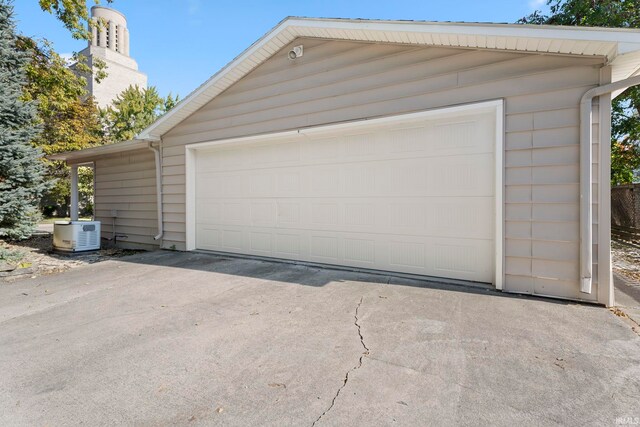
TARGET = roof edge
(148,132)
(465,24)
(607,43)
(93,152)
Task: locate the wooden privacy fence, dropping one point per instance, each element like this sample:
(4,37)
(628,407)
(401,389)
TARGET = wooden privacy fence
(625,213)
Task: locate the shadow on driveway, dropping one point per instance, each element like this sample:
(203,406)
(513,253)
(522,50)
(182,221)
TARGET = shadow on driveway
(309,274)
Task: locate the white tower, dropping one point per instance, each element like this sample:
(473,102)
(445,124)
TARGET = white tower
(110,43)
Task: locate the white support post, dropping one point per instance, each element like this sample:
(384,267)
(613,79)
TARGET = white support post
(73,209)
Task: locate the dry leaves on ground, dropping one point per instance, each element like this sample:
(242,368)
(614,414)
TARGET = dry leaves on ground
(626,261)
(35,257)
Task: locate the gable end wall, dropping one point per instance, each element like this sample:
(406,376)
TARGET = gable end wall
(339,81)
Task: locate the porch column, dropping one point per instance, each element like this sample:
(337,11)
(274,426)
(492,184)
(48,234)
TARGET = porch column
(73,209)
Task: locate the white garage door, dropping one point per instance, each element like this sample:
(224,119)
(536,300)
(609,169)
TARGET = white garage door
(412,194)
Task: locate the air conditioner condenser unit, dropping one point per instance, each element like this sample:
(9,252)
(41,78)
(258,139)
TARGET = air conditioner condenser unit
(76,236)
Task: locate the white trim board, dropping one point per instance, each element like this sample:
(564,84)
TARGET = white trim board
(496,106)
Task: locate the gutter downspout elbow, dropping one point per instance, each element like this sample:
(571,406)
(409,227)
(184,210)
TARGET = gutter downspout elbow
(586,214)
(158,160)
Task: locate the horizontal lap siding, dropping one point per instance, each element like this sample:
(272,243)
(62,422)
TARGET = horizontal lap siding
(127,183)
(340,81)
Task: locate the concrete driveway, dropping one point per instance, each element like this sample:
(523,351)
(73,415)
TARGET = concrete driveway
(191,339)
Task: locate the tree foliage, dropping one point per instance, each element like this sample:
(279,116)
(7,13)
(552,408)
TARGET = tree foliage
(590,13)
(625,120)
(68,115)
(625,137)
(133,110)
(73,14)
(21,171)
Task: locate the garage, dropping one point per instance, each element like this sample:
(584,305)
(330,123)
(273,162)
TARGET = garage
(412,193)
(471,152)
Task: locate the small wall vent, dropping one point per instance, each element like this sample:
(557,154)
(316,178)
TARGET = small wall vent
(296,52)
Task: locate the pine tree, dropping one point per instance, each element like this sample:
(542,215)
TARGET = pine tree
(21,170)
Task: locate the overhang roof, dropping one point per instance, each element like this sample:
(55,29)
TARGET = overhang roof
(90,153)
(620,48)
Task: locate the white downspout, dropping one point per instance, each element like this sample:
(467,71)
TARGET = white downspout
(586,215)
(156,152)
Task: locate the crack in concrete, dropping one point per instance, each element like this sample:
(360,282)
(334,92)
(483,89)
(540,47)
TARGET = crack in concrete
(356,367)
(357,323)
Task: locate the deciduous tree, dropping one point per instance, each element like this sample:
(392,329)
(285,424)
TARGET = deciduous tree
(625,120)
(133,110)
(73,14)
(68,115)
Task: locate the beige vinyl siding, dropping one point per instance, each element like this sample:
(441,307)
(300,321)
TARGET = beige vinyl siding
(127,183)
(339,81)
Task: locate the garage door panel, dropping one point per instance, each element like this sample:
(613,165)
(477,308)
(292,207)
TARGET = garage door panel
(234,212)
(454,176)
(472,135)
(233,239)
(227,239)
(261,184)
(360,145)
(414,197)
(440,217)
(217,185)
(427,216)
(288,213)
(264,213)
(209,210)
(287,245)
(405,142)
(261,242)
(275,155)
(323,181)
(362,215)
(324,213)
(208,237)
(289,182)
(323,247)
(320,149)
(223,160)
(464,259)
(468,259)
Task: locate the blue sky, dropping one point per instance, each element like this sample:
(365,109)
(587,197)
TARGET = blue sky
(181,43)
